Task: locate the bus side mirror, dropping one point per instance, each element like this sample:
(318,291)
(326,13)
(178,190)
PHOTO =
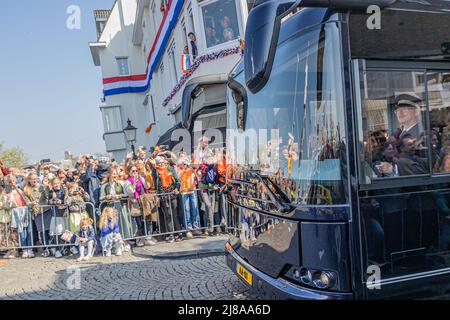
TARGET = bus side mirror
(261,37)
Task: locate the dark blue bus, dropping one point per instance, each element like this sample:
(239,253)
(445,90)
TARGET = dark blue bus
(339,150)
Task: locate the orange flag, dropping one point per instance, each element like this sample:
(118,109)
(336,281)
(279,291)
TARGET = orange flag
(149,129)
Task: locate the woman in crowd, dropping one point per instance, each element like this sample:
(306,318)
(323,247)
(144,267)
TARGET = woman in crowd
(134,188)
(112,192)
(14,201)
(37,200)
(149,203)
(168,185)
(61,174)
(8,236)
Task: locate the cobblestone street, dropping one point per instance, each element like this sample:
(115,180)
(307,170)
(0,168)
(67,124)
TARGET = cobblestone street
(126,277)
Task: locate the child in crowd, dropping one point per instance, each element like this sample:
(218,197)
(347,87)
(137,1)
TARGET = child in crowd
(58,223)
(75,201)
(110,237)
(248,223)
(86,239)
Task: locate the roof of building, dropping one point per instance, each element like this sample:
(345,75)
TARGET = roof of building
(102,14)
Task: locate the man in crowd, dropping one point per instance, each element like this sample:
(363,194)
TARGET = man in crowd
(193,40)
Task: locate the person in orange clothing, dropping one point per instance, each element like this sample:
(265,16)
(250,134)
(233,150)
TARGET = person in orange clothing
(167,185)
(189,199)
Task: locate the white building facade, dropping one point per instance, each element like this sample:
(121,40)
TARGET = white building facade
(140,50)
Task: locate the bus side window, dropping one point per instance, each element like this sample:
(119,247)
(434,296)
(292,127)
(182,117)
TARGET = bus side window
(439,103)
(394,126)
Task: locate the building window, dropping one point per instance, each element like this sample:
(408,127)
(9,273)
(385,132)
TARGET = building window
(191,19)
(220,21)
(154,17)
(122,64)
(173,63)
(185,34)
(112,119)
(161,72)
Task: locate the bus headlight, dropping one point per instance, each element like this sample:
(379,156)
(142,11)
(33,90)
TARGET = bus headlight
(323,279)
(305,276)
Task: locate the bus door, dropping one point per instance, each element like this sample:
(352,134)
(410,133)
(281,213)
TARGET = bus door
(403,119)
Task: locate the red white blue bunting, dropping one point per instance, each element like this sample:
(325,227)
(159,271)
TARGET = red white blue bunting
(141,83)
(200,60)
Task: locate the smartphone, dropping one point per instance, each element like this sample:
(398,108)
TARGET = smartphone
(8,188)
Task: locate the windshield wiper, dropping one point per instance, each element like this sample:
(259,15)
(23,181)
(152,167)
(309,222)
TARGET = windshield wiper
(281,206)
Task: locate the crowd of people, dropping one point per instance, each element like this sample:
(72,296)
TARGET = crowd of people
(107,207)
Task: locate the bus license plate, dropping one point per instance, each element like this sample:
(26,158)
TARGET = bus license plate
(244,274)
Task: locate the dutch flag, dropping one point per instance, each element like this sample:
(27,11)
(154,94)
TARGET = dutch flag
(186,63)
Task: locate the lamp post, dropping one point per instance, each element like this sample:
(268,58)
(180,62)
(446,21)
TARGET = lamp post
(130,136)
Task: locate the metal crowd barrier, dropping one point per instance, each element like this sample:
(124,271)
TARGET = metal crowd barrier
(53,225)
(128,226)
(60,219)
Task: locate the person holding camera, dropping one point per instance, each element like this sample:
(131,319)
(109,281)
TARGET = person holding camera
(37,199)
(8,235)
(135,187)
(168,184)
(14,200)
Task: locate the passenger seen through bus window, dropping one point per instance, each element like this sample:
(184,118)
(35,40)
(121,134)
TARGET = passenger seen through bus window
(409,162)
(386,165)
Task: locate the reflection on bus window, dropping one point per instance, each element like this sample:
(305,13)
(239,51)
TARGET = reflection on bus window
(295,126)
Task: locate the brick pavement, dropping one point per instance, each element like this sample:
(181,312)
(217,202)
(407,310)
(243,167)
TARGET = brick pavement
(126,277)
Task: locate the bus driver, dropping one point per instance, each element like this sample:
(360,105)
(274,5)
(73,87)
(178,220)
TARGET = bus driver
(407,112)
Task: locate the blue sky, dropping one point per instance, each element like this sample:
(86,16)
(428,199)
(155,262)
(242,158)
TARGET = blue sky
(50,89)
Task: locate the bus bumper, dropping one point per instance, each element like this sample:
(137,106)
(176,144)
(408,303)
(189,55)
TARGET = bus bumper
(279,289)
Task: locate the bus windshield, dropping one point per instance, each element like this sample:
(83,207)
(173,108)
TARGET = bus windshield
(294,128)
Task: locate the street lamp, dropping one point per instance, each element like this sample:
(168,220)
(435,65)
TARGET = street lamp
(130,135)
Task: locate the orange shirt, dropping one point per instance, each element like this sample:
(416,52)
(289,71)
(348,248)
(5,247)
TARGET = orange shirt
(166,177)
(222,169)
(187,183)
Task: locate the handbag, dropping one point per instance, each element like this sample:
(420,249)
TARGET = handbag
(149,203)
(67,236)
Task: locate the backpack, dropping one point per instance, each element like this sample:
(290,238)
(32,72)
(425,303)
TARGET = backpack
(209,174)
